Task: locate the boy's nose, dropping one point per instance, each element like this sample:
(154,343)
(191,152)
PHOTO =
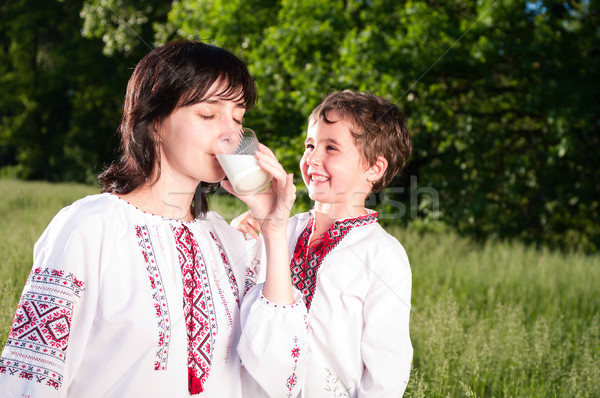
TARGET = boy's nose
(313,158)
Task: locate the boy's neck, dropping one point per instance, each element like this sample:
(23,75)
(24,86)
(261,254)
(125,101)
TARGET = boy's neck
(337,211)
(327,213)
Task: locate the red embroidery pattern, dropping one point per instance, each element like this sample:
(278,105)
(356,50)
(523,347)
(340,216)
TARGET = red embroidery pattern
(198,309)
(305,264)
(233,285)
(293,379)
(41,327)
(228,269)
(158,295)
(251,276)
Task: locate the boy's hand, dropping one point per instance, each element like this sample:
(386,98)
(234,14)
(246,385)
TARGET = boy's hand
(247,224)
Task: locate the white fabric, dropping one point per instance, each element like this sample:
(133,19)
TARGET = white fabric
(358,342)
(116,292)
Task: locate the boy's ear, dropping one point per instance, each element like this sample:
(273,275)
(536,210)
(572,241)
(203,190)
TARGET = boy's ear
(375,172)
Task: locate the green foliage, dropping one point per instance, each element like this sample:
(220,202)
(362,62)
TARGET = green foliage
(501,97)
(487,320)
(59,110)
(125,27)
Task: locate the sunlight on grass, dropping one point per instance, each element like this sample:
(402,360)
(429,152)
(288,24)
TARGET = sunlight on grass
(492,320)
(501,319)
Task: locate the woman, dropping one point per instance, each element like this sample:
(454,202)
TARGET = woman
(140,290)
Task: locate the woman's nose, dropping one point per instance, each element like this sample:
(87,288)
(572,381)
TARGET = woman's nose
(229,125)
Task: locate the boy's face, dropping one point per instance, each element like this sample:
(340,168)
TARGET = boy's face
(332,167)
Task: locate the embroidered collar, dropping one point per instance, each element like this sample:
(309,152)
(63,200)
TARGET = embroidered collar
(305,263)
(348,223)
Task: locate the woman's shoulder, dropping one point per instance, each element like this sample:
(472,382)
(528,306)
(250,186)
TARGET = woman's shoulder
(89,213)
(80,226)
(86,206)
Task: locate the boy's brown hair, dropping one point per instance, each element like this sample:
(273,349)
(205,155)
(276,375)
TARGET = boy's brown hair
(377,125)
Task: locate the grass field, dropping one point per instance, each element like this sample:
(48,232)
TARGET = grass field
(493,320)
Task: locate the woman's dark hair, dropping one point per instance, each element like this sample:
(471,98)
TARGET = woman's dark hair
(172,76)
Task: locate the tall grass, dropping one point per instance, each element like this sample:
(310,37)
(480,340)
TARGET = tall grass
(502,320)
(493,320)
(25,211)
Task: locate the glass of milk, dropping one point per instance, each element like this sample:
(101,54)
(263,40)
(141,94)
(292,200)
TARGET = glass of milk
(239,163)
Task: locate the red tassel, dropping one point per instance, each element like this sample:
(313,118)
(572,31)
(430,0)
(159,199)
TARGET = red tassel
(194,384)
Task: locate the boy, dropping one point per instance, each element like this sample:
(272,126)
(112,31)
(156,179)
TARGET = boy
(355,277)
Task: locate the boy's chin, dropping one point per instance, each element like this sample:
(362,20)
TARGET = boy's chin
(320,197)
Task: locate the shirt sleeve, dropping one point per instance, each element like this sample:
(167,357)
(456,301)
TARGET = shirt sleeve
(272,345)
(386,347)
(41,356)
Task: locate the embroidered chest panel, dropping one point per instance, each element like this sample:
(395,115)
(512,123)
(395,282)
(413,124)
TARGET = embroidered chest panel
(307,259)
(161,305)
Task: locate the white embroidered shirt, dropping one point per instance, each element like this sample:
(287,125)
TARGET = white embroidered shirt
(102,312)
(357,284)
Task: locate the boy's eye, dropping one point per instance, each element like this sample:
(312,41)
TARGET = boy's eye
(207,117)
(309,146)
(331,148)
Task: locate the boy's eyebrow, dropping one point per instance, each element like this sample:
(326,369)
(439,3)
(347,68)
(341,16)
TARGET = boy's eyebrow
(333,141)
(328,140)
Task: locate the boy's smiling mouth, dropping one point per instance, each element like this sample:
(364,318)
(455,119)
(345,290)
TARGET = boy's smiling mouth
(314,177)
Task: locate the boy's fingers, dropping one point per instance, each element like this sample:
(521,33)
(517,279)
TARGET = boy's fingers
(253,223)
(248,230)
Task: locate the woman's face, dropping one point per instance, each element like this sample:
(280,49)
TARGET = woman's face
(189,138)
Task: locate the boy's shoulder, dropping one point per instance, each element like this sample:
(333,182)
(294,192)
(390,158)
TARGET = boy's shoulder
(376,238)
(370,236)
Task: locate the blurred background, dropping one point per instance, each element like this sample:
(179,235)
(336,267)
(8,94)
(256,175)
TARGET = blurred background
(502,97)
(498,208)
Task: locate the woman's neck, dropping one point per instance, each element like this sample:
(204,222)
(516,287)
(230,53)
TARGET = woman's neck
(163,199)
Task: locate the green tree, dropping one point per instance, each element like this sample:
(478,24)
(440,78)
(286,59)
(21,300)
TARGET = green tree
(501,97)
(34,101)
(63,86)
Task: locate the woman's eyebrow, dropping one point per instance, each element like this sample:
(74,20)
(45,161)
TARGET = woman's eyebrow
(213,101)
